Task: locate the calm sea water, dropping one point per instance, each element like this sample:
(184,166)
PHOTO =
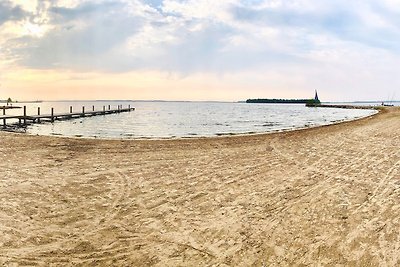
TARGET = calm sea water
(185,119)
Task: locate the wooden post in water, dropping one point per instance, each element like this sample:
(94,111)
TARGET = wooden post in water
(70,109)
(109,107)
(52,114)
(129,107)
(93,107)
(38,112)
(104,109)
(4,120)
(83,110)
(24,115)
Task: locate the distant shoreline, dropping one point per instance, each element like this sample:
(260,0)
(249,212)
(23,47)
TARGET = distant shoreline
(279,101)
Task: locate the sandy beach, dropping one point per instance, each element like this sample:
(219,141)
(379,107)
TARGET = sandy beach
(317,197)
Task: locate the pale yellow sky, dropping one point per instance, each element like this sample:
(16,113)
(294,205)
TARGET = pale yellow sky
(54,85)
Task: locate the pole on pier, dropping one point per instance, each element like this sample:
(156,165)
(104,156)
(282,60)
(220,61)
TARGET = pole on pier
(24,115)
(70,109)
(129,107)
(38,112)
(52,114)
(104,108)
(4,120)
(109,107)
(83,110)
(93,107)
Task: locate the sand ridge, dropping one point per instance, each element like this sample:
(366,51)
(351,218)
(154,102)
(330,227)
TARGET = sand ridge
(323,196)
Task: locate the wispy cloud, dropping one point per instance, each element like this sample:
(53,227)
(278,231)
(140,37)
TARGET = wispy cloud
(9,12)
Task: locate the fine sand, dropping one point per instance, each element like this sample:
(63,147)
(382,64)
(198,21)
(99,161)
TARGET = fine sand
(317,197)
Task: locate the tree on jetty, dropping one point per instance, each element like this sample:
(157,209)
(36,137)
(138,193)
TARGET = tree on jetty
(314,102)
(309,102)
(316,99)
(278,101)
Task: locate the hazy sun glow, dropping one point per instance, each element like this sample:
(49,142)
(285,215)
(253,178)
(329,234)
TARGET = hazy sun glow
(33,29)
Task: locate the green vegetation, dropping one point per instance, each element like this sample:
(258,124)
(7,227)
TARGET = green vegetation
(313,102)
(279,101)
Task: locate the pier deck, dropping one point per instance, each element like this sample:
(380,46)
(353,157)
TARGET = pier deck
(9,107)
(25,119)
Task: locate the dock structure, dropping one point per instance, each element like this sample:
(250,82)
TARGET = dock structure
(25,119)
(9,107)
(342,106)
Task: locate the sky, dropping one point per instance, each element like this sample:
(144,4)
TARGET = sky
(222,50)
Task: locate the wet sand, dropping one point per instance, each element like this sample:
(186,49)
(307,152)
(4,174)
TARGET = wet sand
(322,196)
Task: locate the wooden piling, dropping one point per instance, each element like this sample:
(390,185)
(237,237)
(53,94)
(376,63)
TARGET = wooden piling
(109,107)
(70,109)
(38,112)
(24,115)
(4,120)
(52,114)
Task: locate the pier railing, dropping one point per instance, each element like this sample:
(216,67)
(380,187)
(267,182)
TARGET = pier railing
(25,119)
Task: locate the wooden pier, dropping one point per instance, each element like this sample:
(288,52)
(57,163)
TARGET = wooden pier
(9,107)
(25,119)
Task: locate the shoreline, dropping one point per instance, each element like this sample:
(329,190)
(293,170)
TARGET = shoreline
(327,195)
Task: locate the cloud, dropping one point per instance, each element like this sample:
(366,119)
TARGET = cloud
(82,37)
(84,11)
(9,12)
(189,36)
(368,22)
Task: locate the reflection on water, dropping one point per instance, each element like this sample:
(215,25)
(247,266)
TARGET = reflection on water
(184,119)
